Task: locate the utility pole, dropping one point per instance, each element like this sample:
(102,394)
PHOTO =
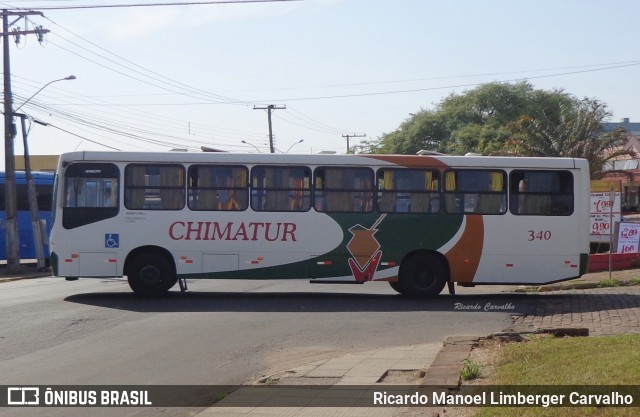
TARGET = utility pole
(11,204)
(355,135)
(39,231)
(270,108)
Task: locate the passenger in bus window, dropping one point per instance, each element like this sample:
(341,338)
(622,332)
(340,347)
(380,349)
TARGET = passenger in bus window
(107,198)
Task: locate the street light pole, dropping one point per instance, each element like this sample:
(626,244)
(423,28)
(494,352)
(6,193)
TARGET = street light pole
(70,77)
(300,141)
(250,144)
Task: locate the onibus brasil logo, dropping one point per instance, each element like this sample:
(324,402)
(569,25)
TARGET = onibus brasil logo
(365,251)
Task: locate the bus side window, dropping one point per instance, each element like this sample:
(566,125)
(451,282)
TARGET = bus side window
(475,191)
(340,189)
(408,191)
(154,187)
(541,193)
(319,201)
(276,188)
(219,188)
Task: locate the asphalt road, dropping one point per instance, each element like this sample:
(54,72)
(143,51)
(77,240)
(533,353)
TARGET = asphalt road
(96,332)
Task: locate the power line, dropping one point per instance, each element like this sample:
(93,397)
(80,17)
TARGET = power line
(81,137)
(379,93)
(422,79)
(307,119)
(211,98)
(156,76)
(155,121)
(132,131)
(284,119)
(179,3)
(135,78)
(415,90)
(159,126)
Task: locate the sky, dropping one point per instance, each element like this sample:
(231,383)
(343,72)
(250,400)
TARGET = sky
(182,77)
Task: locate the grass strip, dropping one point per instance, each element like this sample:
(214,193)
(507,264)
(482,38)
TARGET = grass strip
(601,360)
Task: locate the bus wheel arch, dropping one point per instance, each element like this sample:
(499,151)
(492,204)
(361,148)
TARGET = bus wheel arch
(423,273)
(150,270)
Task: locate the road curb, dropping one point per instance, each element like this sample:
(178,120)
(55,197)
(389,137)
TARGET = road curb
(444,372)
(27,276)
(574,286)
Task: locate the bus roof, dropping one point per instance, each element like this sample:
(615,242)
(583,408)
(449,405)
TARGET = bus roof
(320,159)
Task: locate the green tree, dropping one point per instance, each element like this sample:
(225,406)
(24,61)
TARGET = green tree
(478,118)
(573,130)
(475,121)
(510,119)
(422,130)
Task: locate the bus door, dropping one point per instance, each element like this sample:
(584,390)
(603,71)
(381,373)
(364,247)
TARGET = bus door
(91,196)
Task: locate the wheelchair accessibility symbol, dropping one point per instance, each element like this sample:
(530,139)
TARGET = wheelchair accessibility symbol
(112,240)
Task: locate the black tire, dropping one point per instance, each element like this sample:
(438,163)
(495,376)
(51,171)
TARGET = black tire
(151,274)
(422,275)
(396,286)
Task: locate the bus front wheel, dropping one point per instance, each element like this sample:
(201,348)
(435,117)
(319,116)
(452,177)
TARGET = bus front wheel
(422,275)
(150,274)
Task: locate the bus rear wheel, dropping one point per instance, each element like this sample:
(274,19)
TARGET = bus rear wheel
(150,274)
(422,275)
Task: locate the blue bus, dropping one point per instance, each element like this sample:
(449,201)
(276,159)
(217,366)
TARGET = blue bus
(44,192)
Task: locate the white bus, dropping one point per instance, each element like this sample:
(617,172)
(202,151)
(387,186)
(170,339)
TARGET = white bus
(417,222)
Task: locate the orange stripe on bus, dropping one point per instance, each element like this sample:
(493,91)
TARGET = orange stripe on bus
(469,248)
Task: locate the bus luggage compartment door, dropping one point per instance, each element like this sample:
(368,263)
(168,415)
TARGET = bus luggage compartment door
(219,262)
(98,264)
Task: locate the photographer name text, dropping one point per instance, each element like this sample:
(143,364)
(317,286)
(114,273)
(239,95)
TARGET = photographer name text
(486,307)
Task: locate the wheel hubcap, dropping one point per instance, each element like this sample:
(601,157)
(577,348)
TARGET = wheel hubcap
(424,278)
(150,276)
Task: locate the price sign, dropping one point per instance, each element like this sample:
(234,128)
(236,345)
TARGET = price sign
(601,209)
(629,238)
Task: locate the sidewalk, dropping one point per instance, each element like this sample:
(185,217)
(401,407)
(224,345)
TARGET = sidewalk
(585,304)
(593,280)
(433,365)
(344,386)
(26,271)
